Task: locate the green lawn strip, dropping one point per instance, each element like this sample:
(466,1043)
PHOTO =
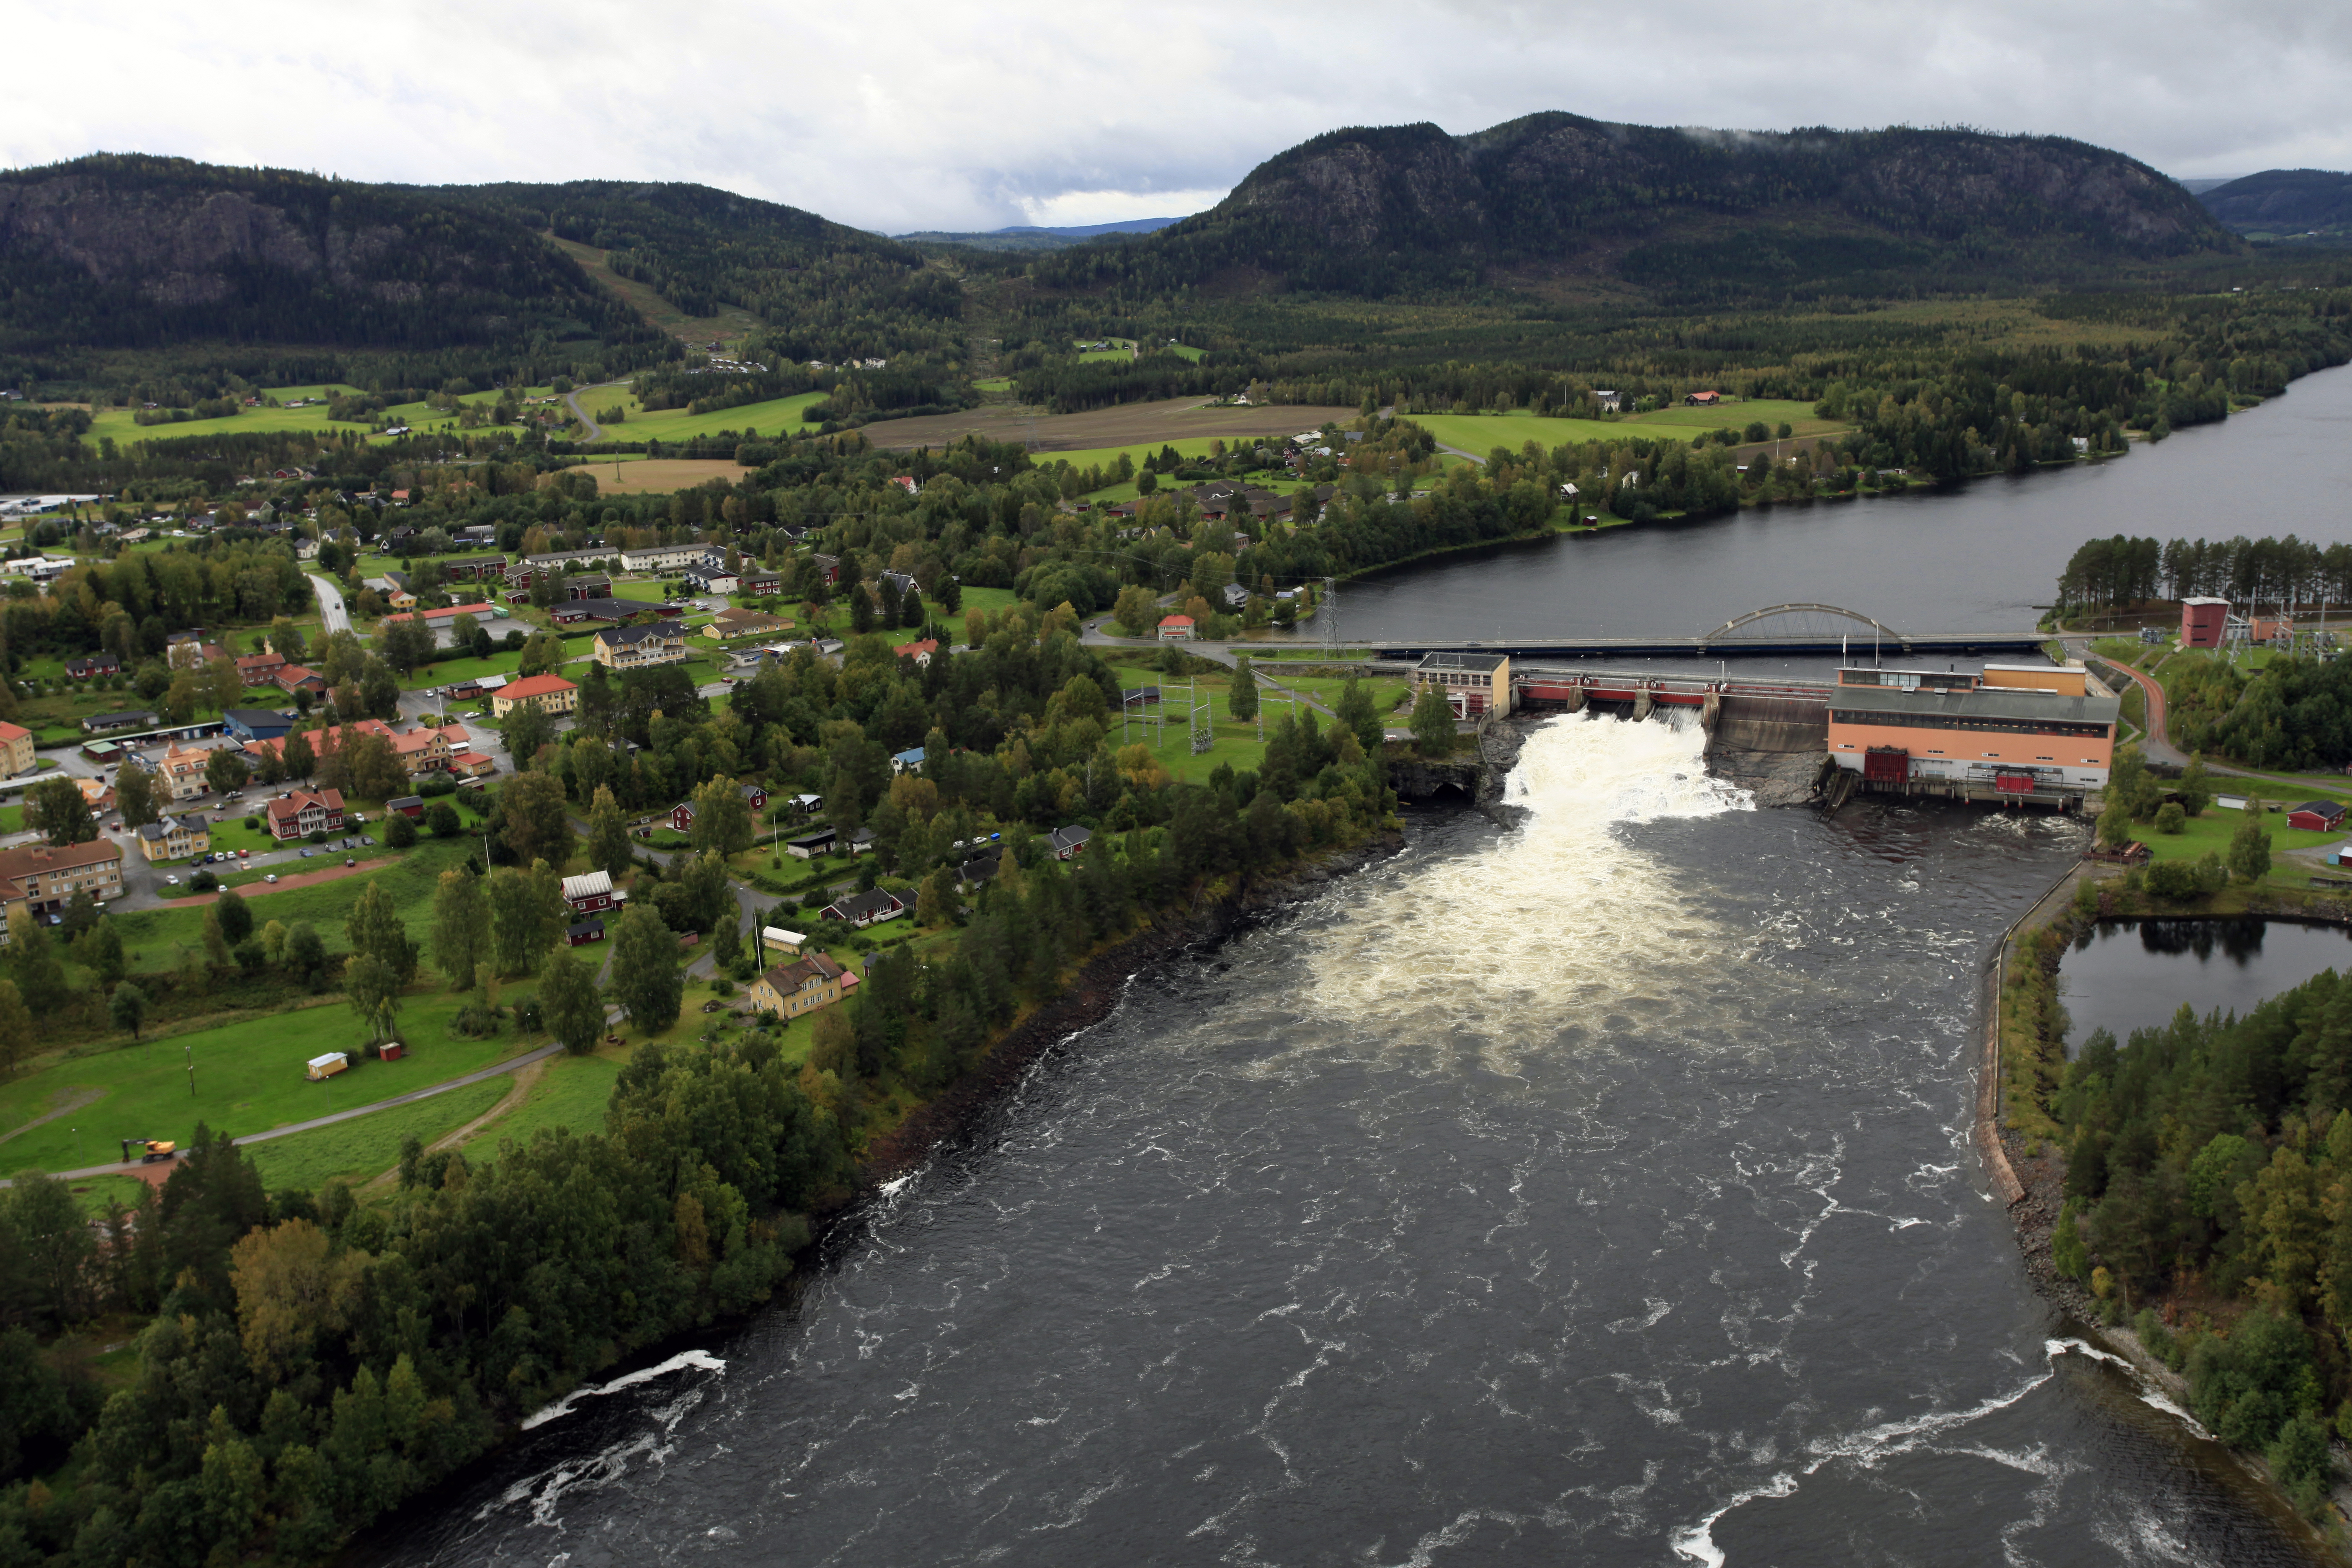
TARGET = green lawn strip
(1481,432)
(573,1093)
(366,1147)
(455,669)
(993,383)
(778,415)
(2211,830)
(159,939)
(249,1078)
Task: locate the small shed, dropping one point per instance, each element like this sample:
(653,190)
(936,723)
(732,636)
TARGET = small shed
(2340,854)
(776,940)
(583,931)
(328,1065)
(410,805)
(2316,816)
(810,845)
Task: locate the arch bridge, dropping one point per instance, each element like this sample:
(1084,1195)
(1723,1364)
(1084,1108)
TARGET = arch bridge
(1781,625)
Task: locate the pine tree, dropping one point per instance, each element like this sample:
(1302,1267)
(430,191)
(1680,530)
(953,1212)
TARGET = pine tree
(1240,701)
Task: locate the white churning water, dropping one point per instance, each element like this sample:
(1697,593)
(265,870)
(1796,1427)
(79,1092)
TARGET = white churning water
(1549,919)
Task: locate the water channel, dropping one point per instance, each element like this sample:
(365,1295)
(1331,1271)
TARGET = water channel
(1597,1191)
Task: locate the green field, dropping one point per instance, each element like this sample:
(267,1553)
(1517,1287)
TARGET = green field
(1481,432)
(573,1091)
(249,1078)
(2213,828)
(126,431)
(366,1147)
(778,415)
(993,383)
(159,939)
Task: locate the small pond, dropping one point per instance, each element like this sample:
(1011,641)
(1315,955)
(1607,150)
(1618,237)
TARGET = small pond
(2135,975)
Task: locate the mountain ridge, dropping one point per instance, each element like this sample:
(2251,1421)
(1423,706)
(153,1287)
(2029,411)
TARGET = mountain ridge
(1388,208)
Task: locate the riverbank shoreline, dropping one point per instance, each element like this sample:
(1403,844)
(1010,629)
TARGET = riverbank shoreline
(2027,1174)
(1087,1001)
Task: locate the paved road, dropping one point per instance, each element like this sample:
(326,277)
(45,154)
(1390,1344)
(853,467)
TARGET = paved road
(2157,747)
(595,431)
(541,1053)
(333,617)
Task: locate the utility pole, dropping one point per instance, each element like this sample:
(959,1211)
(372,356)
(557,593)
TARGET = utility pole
(191,1051)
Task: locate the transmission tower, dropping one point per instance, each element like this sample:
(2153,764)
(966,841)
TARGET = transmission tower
(1200,717)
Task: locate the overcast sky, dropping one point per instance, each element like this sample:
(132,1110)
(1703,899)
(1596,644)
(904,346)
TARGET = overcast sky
(924,114)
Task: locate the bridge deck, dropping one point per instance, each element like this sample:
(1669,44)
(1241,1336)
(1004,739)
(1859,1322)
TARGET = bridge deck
(1701,647)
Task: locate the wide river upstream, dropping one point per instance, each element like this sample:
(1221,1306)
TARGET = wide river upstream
(1599,1190)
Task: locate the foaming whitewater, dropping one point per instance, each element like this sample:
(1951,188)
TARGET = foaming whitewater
(1554,918)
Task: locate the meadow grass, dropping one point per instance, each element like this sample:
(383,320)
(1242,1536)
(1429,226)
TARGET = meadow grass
(1481,432)
(366,1147)
(159,939)
(249,1078)
(778,415)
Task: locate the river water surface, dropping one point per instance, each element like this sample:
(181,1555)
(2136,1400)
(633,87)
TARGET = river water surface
(1980,560)
(1598,1191)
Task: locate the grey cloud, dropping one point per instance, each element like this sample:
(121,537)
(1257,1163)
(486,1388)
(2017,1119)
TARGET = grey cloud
(922,114)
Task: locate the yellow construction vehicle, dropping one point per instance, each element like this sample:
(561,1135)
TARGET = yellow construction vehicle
(146,1150)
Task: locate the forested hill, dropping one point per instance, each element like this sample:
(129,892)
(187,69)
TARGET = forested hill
(2284,202)
(1557,197)
(132,252)
(826,290)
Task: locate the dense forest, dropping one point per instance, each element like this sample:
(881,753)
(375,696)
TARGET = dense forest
(823,291)
(2123,571)
(2212,1158)
(128,252)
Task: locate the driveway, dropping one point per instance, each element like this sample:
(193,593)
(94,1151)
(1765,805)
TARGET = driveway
(333,617)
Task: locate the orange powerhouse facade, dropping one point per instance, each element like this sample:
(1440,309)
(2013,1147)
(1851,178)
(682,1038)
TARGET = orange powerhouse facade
(2014,730)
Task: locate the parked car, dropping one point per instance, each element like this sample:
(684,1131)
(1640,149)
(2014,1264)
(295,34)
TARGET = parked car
(174,881)
(271,878)
(349,861)
(366,840)
(244,853)
(306,854)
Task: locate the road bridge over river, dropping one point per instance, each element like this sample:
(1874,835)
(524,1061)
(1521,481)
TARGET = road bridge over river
(1778,629)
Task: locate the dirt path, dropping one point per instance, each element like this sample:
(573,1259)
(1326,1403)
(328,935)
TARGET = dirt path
(73,1100)
(512,1064)
(283,884)
(526,1079)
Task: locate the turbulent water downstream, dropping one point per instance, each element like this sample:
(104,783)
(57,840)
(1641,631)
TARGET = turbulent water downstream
(1598,1191)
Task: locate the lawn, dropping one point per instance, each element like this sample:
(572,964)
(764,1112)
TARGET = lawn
(1481,432)
(993,383)
(249,1077)
(364,1148)
(158,939)
(573,1093)
(456,669)
(778,415)
(2211,831)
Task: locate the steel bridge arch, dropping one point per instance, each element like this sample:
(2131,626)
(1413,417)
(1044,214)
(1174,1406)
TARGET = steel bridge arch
(1752,616)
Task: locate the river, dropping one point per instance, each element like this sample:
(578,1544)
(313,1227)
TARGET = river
(1595,1191)
(1980,560)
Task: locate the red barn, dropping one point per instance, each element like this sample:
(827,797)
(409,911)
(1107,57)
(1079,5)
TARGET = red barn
(2316,816)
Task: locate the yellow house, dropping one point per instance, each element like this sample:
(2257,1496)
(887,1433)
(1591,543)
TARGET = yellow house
(174,838)
(637,647)
(548,693)
(790,990)
(16,750)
